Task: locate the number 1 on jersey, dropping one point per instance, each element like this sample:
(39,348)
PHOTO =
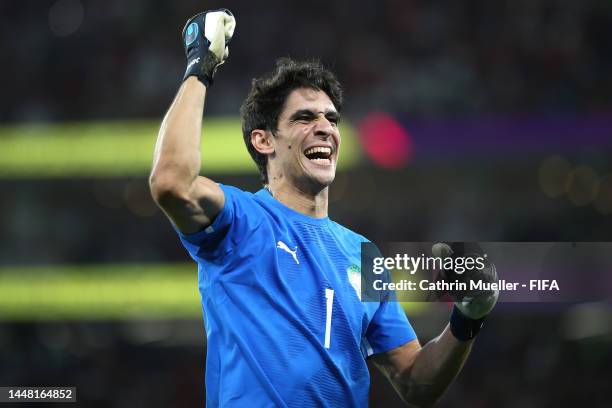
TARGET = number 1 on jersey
(329,300)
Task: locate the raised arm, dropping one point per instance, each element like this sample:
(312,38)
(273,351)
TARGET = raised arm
(421,374)
(192,202)
(189,200)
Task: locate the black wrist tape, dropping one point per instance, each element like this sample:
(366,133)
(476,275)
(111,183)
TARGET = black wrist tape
(462,327)
(203,67)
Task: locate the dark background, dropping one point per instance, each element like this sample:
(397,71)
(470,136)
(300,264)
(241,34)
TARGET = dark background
(489,94)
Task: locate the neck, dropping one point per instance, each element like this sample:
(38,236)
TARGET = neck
(313,205)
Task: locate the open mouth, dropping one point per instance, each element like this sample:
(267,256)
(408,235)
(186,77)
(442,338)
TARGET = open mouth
(319,155)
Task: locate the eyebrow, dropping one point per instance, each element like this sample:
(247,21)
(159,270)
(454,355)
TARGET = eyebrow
(329,114)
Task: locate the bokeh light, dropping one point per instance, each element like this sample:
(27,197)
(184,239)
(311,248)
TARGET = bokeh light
(583,185)
(603,201)
(553,175)
(385,141)
(65,17)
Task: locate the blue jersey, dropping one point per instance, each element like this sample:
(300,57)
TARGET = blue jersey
(284,322)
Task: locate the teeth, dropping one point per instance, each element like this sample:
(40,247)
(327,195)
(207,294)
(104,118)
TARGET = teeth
(326,150)
(321,161)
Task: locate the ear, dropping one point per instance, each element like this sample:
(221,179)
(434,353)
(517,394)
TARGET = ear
(262,141)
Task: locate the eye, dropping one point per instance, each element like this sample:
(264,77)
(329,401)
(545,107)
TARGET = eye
(334,120)
(305,118)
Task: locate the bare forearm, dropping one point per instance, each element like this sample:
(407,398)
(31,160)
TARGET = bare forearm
(177,151)
(435,367)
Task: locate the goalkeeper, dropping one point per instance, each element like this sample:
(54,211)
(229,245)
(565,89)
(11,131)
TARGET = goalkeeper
(284,324)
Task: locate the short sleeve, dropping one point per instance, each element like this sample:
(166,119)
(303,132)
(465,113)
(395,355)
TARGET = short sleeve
(388,329)
(233,222)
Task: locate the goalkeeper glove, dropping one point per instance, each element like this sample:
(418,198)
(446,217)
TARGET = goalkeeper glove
(205,38)
(471,306)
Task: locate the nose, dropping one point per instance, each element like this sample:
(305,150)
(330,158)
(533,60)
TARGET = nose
(323,127)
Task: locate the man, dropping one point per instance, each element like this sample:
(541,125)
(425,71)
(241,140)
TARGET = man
(284,325)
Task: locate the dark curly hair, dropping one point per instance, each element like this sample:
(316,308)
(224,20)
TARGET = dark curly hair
(265,102)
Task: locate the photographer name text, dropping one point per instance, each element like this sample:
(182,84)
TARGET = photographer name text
(501,285)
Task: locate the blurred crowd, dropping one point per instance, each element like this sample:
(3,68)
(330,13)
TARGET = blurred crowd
(84,59)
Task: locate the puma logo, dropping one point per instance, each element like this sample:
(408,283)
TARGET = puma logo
(284,247)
